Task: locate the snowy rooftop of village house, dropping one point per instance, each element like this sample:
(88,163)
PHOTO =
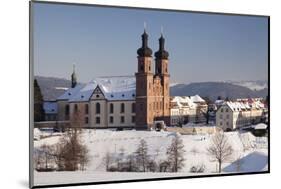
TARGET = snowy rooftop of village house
(244,105)
(113,87)
(50,107)
(182,101)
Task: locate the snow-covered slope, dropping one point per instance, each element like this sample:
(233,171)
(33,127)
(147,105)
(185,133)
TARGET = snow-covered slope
(101,142)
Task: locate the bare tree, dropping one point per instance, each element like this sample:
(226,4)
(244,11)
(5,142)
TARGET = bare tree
(175,154)
(131,163)
(70,153)
(220,149)
(142,157)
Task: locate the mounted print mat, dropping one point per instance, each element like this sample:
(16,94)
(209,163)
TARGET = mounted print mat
(123,94)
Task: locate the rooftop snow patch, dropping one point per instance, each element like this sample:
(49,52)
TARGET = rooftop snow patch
(113,87)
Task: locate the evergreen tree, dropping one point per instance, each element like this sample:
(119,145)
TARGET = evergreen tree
(38,103)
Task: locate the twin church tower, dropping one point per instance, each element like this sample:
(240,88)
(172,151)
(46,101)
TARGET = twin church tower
(152,85)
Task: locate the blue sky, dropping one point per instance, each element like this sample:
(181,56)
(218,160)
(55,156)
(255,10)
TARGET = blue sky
(103,41)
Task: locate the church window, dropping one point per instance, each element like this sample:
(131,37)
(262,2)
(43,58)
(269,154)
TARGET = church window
(86,120)
(97,108)
(86,108)
(75,108)
(97,120)
(111,108)
(122,110)
(67,110)
(122,119)
(111,119)
(133,107)
(97,96)
(133,119)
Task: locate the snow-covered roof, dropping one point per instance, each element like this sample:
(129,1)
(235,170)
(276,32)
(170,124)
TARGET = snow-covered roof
(196,99)
(114,88)
(184,101)
(244,105)
(260,126)
(69,93)
(50,107)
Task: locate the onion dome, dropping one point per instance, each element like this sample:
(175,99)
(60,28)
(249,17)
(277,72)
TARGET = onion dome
(144,51)
(161,53)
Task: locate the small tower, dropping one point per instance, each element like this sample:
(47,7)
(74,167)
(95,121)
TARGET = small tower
(73,78)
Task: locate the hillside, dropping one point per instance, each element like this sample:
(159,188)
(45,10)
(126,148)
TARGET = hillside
(215,89)
(53,87)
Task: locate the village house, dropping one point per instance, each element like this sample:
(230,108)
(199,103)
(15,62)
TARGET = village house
(185,109)
(232,115)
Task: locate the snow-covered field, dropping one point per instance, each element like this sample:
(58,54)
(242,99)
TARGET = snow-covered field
(252,152)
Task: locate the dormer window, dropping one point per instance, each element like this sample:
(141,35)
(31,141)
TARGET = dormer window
(112,96)
(123,95)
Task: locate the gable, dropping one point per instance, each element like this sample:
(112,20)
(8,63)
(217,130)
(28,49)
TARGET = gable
(97,94)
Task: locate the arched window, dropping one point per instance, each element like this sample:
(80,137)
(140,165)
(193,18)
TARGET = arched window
(97,108)
(122,110)
(67,110)
(111,108)
(86,108)
(133,107)
(75,108)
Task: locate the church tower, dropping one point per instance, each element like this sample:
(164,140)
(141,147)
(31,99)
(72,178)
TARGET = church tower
(152,88)
(73,78)
(161,70)
(144,82)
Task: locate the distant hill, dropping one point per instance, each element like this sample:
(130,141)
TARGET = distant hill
(253,85)
(54,87)
(215,89)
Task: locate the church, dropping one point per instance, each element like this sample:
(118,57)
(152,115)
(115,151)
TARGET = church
(122,101)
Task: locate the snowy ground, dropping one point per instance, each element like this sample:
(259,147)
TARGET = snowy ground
(251,150)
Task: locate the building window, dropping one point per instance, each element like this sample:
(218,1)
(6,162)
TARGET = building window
(97,108)
(67,110)
(97,120)
(111,119)
(221,116)
(226,110)
(122,119)
(222,110)
(75,108)
(86,109)
(86,120)
(133,107)
(133,119)
(122,110)
(227,116)
(227,123)
(111,108)
(221,123)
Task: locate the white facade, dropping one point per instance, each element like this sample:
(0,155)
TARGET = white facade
(104,102)
(243,112)
(186,109)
